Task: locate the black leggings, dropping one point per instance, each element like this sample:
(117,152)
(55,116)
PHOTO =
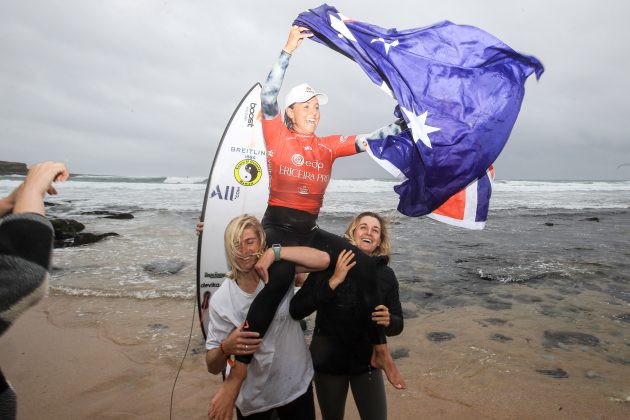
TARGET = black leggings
(301,408)
(289,227)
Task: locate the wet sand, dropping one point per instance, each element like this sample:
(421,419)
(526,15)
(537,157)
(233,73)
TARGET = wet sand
(84,357)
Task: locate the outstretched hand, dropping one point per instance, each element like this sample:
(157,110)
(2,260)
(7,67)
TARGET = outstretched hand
(296,36)
(29,197)
(41,176)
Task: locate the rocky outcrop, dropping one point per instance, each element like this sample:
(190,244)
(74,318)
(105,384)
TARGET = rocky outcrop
(90,238)
(165,267)
(106,214)
(12,168)
(68,232)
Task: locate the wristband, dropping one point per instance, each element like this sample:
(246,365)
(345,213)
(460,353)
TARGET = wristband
(276,251)
(227,356)
(230,361)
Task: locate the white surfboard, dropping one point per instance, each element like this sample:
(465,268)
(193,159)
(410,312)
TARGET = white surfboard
(238,184)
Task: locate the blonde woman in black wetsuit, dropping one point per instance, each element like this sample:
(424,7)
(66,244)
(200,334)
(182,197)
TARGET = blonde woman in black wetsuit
(341,347)
(300,164)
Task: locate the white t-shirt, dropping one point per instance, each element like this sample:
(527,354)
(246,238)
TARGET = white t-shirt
(281,370)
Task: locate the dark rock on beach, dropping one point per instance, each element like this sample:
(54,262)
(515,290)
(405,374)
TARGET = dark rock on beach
(527,299)
(157,327)
(619,360)
(400,353)
(500,338)
(90,238)
(109,214)
(497,305)
(554,373)
(66,228)
(622,317)
(12,168)
(563,338)
(437,337)
(165,267)
(409,313)
(120,216)
(548,310)
(68,232)
(492,321)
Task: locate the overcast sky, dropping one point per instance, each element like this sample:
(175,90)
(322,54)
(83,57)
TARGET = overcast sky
(145,87)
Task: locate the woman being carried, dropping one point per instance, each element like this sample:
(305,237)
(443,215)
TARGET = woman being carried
(300,165)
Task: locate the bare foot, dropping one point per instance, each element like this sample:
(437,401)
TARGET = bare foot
(382,359)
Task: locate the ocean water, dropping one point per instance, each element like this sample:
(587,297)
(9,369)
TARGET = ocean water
(538,233)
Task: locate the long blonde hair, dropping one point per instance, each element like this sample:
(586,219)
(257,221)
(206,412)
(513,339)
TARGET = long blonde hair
(384,248)
(232,241)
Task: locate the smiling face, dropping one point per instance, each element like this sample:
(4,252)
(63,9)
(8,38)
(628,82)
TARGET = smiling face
(304,115)
(249,244)
(367,234)
(243,239)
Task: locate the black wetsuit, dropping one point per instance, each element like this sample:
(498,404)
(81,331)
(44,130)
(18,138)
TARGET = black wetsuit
(341,347)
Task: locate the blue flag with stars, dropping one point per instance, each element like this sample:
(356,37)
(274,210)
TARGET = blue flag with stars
(458,88)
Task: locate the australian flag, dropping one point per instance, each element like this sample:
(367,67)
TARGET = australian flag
(458,88)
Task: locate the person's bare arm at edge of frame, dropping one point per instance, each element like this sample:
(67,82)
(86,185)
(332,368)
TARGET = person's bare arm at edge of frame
(28,197)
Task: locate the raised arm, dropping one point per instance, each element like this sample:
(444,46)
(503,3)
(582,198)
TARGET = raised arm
(392,129)
(271,88)
(29,196)
(306,259)
(26,242)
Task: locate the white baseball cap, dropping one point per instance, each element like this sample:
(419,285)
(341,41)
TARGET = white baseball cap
(302,93)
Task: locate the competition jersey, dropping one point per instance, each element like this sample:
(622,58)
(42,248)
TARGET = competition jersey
(300,165)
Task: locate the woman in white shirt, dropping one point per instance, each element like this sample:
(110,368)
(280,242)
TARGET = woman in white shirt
(279,376)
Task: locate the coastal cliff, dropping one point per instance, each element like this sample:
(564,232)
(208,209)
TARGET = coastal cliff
(12,168)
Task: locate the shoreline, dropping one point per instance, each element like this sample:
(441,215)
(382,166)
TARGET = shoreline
(87,357)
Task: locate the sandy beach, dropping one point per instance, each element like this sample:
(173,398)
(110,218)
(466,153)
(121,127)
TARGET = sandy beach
(80,357)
